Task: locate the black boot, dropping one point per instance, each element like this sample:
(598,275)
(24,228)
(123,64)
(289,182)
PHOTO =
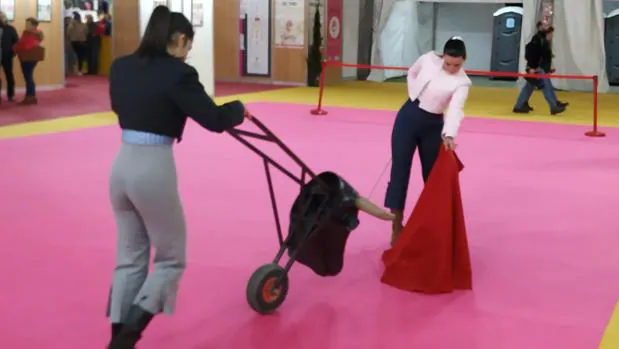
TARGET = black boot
(116,328)
(131,332)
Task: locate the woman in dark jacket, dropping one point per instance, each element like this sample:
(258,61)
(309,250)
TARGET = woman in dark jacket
(152,92)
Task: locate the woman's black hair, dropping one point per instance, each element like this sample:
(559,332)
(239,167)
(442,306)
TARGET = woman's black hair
(455,47)
(162,28)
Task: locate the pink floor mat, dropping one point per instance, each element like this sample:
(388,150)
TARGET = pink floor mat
(540,203)
(83,95)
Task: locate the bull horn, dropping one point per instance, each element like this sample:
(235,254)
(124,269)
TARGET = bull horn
(372,209)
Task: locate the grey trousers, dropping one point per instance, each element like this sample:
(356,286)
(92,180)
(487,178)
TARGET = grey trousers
(149,214)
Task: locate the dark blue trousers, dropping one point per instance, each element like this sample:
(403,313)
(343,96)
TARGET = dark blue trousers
(27,69)
(414,128)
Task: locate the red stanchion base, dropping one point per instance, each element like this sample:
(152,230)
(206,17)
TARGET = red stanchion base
(318,111)
(595,133)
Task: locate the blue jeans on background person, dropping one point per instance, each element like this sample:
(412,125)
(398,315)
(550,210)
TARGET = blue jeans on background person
(28,71)
(547,89)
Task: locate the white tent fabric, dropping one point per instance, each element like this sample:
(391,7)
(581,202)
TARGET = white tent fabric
(398,40)
(402,33)
(578,43)
(425,27)
(382,10)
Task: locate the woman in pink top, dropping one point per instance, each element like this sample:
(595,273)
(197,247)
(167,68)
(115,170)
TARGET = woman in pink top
(436,84)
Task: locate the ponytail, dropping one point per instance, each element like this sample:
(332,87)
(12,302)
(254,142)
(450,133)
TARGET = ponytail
(157,34)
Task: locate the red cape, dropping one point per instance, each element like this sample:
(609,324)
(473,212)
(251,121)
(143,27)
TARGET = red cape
(432,255)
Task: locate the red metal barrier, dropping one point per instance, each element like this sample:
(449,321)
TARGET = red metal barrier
(594,132)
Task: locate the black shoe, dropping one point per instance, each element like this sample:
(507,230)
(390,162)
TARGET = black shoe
(521,110)
(558,109)
(131,331)
(529,107)
(565,104)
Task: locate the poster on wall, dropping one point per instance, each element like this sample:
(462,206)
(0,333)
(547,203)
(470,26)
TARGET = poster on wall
(187,9)
(8,8)
(256,29)
(175,5)
(44,10)
(197,13)
(290,23)
(334,30)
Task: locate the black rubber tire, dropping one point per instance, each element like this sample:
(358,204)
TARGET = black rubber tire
(260,279)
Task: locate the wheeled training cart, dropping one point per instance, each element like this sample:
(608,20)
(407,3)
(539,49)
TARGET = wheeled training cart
(321,219)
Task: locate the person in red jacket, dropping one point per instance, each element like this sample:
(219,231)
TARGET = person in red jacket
(29,51)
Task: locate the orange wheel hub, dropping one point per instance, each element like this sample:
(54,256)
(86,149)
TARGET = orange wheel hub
(270,293)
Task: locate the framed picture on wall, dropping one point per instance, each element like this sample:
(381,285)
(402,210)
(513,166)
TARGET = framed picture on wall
(197,13)
(175,5)
(8,7)
(44,10)
(187,9)
(256,38)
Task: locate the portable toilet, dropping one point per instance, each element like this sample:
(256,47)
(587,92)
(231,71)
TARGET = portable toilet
(507,31)
(611,46)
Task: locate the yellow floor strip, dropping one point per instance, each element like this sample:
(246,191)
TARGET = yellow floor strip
(77,122)
(485,102)
(610,340)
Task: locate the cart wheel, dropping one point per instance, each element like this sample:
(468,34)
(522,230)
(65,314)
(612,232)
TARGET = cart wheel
(267,288)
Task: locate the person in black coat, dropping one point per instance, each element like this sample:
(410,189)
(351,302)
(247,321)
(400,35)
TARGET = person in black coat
(8,39)
(153,92)
(538,54)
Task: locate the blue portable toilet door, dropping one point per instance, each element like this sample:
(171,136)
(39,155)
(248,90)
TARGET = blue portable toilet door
(506,40)
(611,43)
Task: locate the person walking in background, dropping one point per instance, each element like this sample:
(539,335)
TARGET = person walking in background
(30,52)
(69,55)
(104,25)
(538,54)
(77,32)
(94,45)
(8,39)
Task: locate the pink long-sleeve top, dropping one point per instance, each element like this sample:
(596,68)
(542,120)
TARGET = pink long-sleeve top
(438,91)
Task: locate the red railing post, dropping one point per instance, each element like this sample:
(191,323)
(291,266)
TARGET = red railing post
(595,132)
(319,110)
